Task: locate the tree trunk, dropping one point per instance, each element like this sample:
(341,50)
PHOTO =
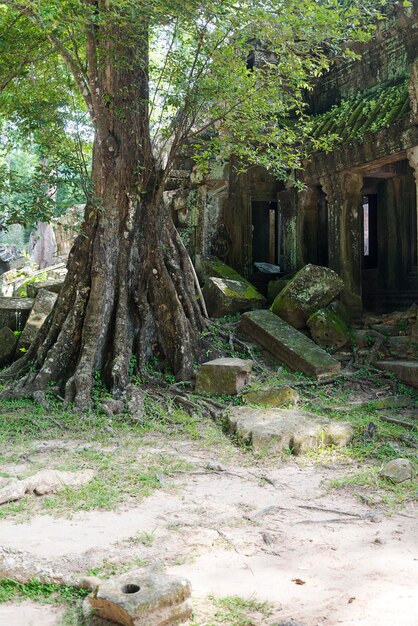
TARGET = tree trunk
(130,287)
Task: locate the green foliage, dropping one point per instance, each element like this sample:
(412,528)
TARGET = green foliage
(12,590)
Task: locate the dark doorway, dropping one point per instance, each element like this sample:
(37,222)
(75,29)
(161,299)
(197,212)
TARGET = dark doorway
(265,231)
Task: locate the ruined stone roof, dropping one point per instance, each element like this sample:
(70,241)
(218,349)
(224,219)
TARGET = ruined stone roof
(366,112)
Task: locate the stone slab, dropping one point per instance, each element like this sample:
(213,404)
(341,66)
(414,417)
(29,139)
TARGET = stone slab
(143,598)
(227,297)
(288,345)
(8,343)
(223,376)
(275,430)
(42,307)
(406,371)
(50,285)
(311,289)
(14,312)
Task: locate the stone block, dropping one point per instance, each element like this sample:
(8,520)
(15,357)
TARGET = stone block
(328,329)
(276,430)
(208,266)
(42,307)
(227,297)
(274,288)
(223,376)
(14,312)
(33,289)
(288,345)
(397,470)
(311,289)
(406,371)
(143,598)
(8,343)
(272,396)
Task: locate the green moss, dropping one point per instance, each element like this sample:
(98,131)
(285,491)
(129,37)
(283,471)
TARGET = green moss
(366,112)
(248,293)
(214,267)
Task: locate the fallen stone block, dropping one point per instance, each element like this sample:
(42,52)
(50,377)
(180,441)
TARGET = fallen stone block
(403,347)
(11,489)
(275,287)
(223,376)
(211,267)
(275,430)
(406,371)
(8,343)
(328,329)
(143,598)
(272,396)
(311,289)
(288,345)
(42,307)
(397,470)
(14,312)
(227,297)
(50,285)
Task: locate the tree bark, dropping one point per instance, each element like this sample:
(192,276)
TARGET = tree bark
(129,291)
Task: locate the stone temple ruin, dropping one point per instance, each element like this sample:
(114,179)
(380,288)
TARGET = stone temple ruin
(249,234)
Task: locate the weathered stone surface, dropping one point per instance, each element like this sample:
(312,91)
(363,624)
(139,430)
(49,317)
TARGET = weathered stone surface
(42,307)
(288,345)
(279,429)
(14,312)
(138,598)
(50,285)
(397,470)
(386,329)
(328,329)
(227,297)
(212,267)
(275,287)
(11,489)
(406,371)
(223,376)
(311,289)
(8,343)
(41,483)
(272,396)
(402,346)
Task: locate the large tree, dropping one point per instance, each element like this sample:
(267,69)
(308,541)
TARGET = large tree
(155,75)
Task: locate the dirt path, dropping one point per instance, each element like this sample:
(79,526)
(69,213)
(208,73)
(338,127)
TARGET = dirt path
(248,530)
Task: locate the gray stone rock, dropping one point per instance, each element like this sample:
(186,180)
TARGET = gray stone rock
(311,289)
(289,622)
(14,312)
(208,266)
(272,396)
(223,376)
(224,296)
(275,430)
(288,345)
(397,470)
(328,329)
(143,598)
(42,307)
(406,371)
(50,285)
(11,489)
(8,343)
(275,287)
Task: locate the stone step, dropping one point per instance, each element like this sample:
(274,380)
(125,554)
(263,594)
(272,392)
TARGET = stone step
(288,345)
(406,371)
(14,312)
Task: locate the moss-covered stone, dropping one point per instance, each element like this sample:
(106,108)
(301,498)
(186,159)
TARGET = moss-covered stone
(223,376)
(329,330)
(311,289)
(274,288)
(212,267)
(272,396)
(227,297)
(288,345)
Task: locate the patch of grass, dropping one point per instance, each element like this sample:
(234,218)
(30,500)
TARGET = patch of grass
(233,611)
(12,590)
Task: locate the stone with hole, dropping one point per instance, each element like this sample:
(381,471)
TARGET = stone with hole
(143,598)
(223,376)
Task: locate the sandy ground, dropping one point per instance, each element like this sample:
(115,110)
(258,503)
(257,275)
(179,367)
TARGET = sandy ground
(254,531)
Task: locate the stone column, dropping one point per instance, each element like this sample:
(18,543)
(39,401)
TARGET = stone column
(412,156)
(343,193)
